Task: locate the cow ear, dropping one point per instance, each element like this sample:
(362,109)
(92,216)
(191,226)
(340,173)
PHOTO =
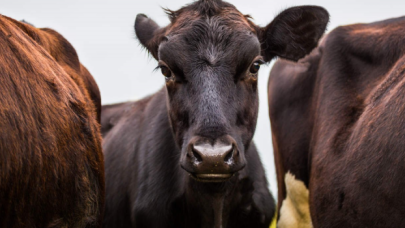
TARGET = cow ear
(294,32)
(149,34)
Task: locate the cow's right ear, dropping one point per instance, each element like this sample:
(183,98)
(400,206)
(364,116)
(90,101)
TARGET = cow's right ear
(294,32)
(149,33)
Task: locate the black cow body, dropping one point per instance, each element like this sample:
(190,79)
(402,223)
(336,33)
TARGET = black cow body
(146,187)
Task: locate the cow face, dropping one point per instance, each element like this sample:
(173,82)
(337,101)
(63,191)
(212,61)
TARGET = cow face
(210,55)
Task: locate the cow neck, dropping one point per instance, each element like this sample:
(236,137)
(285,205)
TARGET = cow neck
(218,206)
(210,203)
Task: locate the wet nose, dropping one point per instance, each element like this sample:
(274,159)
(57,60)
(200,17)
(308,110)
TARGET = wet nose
(217,154)
(213,162)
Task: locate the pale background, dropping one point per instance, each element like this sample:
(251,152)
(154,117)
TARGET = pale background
(102,33)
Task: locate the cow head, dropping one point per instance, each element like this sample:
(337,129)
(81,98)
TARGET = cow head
(210,55)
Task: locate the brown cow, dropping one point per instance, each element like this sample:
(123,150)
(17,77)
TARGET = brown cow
(51,166)
(337,125)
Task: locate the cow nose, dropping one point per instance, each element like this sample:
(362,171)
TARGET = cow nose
(217,154)
(213,162)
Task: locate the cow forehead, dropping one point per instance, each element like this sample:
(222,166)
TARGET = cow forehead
(226,13)
(211,41)
(215,29)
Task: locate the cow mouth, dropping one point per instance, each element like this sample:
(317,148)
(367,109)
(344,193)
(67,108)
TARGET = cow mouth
(212,177)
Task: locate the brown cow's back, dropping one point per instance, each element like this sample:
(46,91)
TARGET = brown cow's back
(342,131)
(51,166)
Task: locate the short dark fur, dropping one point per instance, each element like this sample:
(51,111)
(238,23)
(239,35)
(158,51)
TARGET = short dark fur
(337,124)
(51,166)
(210,96)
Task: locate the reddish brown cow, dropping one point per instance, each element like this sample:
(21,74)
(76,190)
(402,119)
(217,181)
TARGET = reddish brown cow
(51,166)
(337,124)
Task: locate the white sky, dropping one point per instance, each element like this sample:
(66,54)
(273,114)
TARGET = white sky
(102,33)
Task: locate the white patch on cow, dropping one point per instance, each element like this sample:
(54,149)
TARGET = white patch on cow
(294,212)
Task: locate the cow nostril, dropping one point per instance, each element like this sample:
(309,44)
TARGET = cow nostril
(196,155)
(229,156)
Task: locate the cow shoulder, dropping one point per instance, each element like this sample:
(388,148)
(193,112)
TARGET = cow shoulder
(355,60)
(357,56)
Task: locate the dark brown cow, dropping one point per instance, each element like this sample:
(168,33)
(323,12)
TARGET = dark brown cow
(51,166)
(184,156)
(338,125)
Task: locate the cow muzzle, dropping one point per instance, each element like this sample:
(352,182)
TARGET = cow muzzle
(212,162)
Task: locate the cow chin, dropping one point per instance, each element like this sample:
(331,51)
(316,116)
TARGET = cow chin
(209,177)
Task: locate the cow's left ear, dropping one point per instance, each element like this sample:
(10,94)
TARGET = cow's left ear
(149,34)
(294,32)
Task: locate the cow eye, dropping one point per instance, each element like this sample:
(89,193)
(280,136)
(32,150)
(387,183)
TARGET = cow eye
(254,68)
(166,71)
